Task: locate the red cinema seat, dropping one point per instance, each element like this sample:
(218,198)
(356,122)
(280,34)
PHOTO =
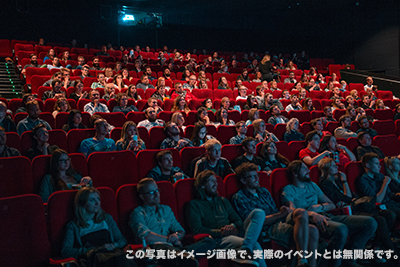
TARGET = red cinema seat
(231,152)
(116,119)
(280,130)
(385,127)
(120,165)
(301,115)
(157,136)
(279,180)
(356,86)
(294,148)
(136,117)
(128,200)
(385,94)
(78,51)
(225,133)
(14,104)
(76,136)
(78,162)
(383,114)
(60,211)
(317,114)
(331,126)
(56,137)
(318,95)
(61,119)
(5,48)
(305,128)
(234,115)
(188,154)
(220,93)
(16,176)
(389,144)
(194,104)
(40,167)
(353,171)
(337,113)
(23,228)
(35,71)
(147,160)
(13,140)
(203,93)
(37,81)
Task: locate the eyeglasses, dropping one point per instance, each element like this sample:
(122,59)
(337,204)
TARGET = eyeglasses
(153,192)
(64,160)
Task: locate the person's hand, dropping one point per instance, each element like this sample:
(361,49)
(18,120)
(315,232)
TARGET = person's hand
(58,95)
(283,210)
(173,238)
(315,208)
(339,146)
(96,102)
(86,180)
(340,204)
(229,230)
(179,176)
(342,176)
(109,246)
(84,95)
(259,138)
(182,143)
(207,119)
(299,105)
(327,153)
(372,103)
(269,172)
(320,221)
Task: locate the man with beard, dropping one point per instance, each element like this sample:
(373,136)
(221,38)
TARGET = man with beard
(151,120)
(213,160)
(328,115)
(269,101)
(344,131)
(183,93)
(55,92)
(365,146)
(214,215)
(5,151)
(276,116)
(101,78)
(103,51)
(157,225)
(167,74)
(148,72)
(364,127)
(98,143)
(5,120)
(241,130)
(95,105)
(85,72)
(310,155)
(165,170)
(296,232)
(144,83)
(81,63)
(304,194)
(55,64)
(27,124)
(34,64)
(174,140)
(96,64)
(294,104)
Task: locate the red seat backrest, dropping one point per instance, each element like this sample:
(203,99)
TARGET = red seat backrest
(76,136)
(294,148)
(188,154)
(16,176)
(225,133)
(389,144)
(353,171)
(231,152)
(40,167)
(279,180)
(13,140)
(385,127)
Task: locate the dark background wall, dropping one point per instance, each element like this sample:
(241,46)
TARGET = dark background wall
(362,32)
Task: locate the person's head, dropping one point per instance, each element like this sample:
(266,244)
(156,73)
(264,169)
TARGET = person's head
(298,171)
(363,122)
(329,142)
(144,79)
(3,110)
(253,114)
(122,99)
(351,111)
(268,98)
(328,111)
(118,79)
(312,140)
(249,145)
(101,127)
(60,162)
(152,102)
(241,127)
(221,114)
(75,117)
(251,101)
(81,60)
(199,131)
(285,94)
(302,93)
(56,61)
(275,111)
(167,72)
(225,102)
(26,98)
(361,111)
(292,125)
(317,124)
(40,134)
(94,95)
(151,114)
(192,79)
(33,58)
(213,149)
(308,104)
(56,85)
(32,107)
(223,81)
(247,175)
(379,104)
(165,160)
(397,108)
(201,113)
(366,100)
(178,118)
(345,121)
(337,103)
(291,75)
(273,85)
(78,86)
(370,162)
(3,137)
(259,126)
(392,167)
(294,99)
(327,167)
(350,100)
(369,81)
(206,181)
(87,204)
(364,138)
(62,105)
(129,129)
(101,78)
(171,129)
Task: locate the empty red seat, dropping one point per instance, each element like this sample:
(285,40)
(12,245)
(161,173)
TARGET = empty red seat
(13,140)
(280,130)
(112,169)
(225,133)
(356,86)
(331,126)
(385,94)
(40,167)
(188,154)
(157,136)
(389,144)
(231,152)
(385,127)
(353,171)
(301,115)
(5,48)
(383,114)
(37,81)
(279,180)
(337,113)
(220,93)
(203,93)
(16,176)
(294,148)
(35,71)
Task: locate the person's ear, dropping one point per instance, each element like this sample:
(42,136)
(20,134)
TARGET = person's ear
(367,165)
(141,196)
(243,181)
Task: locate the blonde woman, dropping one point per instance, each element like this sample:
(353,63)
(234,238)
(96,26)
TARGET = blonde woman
(292,131)
(253,115)
(178,119)
(260,132)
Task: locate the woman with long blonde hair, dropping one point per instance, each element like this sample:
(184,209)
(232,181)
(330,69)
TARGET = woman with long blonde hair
(130,138)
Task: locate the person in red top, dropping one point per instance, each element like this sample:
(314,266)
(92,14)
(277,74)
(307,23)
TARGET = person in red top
(310,154)
(180,92)
(340,153)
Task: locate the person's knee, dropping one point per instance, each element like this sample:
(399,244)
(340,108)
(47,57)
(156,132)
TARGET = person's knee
(341,232)
(371,224)
(313,233)
(258,214)
(300,216)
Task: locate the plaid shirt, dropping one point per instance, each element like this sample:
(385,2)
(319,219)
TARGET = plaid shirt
(222,169)
(148,124)
(171,143)
(245,202)
(236,140)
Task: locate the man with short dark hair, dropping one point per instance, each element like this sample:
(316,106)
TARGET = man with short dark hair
(157,226)
(295,231)
(211,214)
(365,146)
(101,81)
(55,92)
(81,63)
(364,127)
(151,120)
(144,83)
(183,93)
(98,143)
(294,103)
(276,116)
(213,160)
(34,63)
(138,65)
(6,121)
(305,194)
(152,102)
(165,170)
(174,140)
(103,51)
(5,151)
(94,105)
(310,155)
(344,131)
(85,74)
(148,72)
(241,130)
(96,64)
(249,156)
(291,78)
(32,120)
(367,103)
(328,115)
(269,101)
(55,64)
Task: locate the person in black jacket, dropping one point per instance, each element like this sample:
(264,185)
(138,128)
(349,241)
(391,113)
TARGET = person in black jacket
(5,121)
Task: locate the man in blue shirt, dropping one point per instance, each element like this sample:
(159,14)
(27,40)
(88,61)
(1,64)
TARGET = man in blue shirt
(99,143)
(27,124)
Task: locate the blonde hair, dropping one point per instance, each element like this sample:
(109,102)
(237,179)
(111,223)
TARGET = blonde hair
(388,162)
(174,117)
(323,166)
(211,143)
(256,125)
(81,198)
(290,123)
(251,114)
(124,136)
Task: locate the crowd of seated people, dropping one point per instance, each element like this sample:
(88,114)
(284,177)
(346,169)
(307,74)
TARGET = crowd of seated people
(304,215)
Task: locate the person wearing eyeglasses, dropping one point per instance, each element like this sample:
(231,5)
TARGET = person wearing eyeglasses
(62,176)
(94,105)
(241,130)
(191,84)
(151,119)
(153,103)
(183,93)
(156,224)
(165,169)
